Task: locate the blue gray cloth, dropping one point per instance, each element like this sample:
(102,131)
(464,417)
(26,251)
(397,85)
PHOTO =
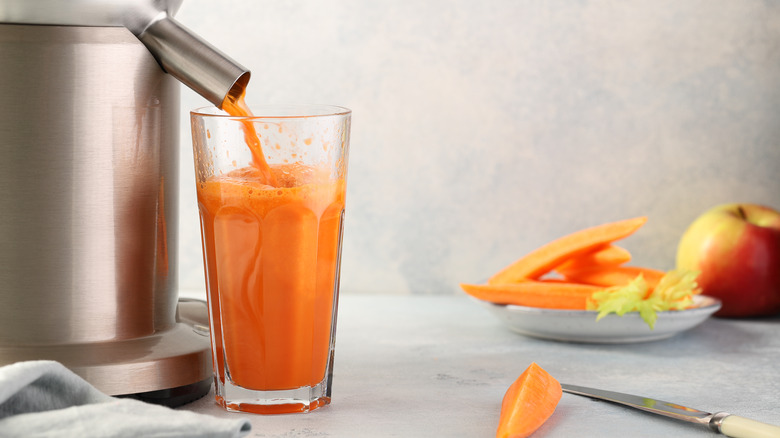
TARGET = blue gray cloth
(45,399)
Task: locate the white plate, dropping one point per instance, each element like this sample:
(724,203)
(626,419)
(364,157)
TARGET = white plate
(581,325)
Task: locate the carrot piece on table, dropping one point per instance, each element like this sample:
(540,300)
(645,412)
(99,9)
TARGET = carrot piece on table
(609,255)
(609,276)
(542,260)
(547,294)
(528,403)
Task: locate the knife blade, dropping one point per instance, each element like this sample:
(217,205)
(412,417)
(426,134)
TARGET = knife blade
(722,422)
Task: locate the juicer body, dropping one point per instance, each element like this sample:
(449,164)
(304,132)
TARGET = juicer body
(89,139)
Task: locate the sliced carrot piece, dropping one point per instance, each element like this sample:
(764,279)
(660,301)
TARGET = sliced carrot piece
(545,258)
(528,403)
(609,276)
(609,255)
(547,294)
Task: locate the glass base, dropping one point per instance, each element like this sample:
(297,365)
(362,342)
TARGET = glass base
(235,398)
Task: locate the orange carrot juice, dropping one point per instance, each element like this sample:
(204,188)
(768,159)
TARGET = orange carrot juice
(271,240)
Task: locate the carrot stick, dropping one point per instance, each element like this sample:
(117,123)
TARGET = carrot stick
(528,403)
(609,276)
(546,294)
(542,260)
(609,255)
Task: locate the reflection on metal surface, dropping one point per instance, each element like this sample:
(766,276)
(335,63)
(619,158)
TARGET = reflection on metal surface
(90,209)
(642,403)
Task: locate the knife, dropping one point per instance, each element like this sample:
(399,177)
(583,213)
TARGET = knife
(722,422)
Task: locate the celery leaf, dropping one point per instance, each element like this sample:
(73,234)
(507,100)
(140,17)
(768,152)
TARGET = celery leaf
(675,291)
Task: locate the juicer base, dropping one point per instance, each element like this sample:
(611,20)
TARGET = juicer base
(174,397)
(169,359)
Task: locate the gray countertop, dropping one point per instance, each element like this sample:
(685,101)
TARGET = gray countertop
(438,366)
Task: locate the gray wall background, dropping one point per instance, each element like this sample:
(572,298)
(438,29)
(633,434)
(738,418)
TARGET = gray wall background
(484,129)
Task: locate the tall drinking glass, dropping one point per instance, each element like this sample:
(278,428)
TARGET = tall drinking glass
(271,191)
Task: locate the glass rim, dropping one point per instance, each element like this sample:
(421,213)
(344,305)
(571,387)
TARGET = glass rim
(276,111)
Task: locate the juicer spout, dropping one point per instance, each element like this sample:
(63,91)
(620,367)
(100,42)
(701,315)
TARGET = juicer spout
(193,61)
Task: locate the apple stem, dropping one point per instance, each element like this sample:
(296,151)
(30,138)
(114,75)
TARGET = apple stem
(741,212)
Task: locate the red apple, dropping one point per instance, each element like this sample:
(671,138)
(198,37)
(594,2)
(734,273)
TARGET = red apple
(736,247)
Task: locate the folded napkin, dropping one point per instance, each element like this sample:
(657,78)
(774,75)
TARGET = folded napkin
(45,399)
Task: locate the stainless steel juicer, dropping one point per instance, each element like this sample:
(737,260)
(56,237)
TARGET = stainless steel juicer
(89,143)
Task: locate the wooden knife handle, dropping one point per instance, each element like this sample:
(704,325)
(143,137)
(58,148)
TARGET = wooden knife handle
(741,427)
